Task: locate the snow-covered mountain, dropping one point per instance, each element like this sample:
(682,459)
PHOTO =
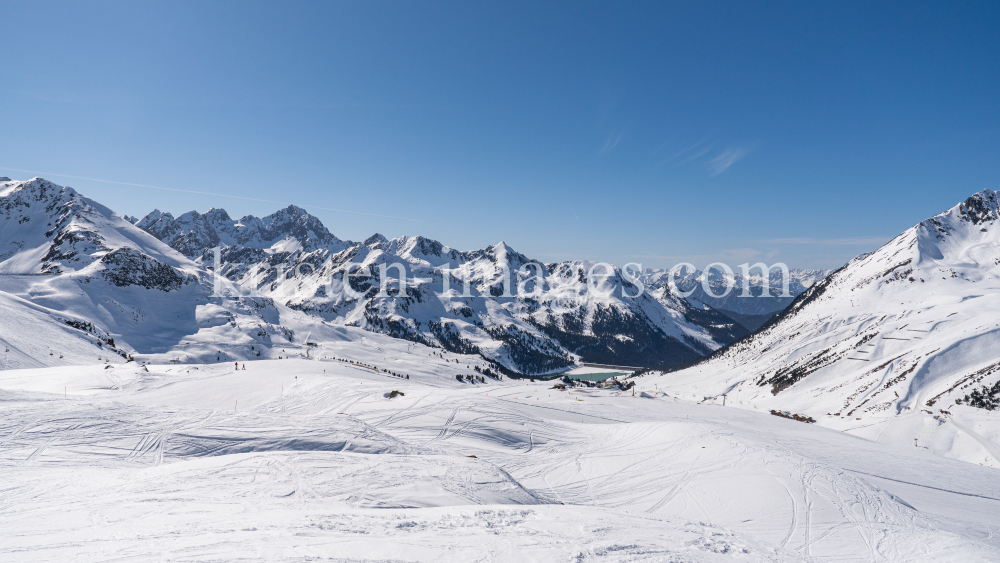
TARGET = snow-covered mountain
(147,286)
(49,229)
(540,321)
(758,303)
(76,276)
(78,284)
(899,345)
(192,233)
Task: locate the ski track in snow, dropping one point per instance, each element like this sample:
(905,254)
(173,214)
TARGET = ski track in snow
(325,466)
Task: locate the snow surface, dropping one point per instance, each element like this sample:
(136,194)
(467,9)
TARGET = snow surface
(293,460)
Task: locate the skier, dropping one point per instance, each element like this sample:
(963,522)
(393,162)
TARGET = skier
(236,366)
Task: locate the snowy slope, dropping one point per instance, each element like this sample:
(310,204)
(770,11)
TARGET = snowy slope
(72,260)
(890,347)
(45,228)
(79,284)
(311,459)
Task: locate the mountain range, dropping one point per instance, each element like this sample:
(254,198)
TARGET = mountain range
(152,286)
(897,346)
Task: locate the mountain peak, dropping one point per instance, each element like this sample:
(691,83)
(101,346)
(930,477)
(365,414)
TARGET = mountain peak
(424,246)
(153,217)
(217,214)
(981,207)
(375,239)
(290,211)
(502,249)
(193,233)
(38,190)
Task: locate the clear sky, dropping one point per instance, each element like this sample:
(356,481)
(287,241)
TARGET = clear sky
(803,132)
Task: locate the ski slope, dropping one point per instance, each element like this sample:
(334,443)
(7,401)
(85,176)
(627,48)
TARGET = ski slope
(310,459)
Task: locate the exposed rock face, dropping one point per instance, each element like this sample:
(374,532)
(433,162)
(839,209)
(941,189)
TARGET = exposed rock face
(127,266)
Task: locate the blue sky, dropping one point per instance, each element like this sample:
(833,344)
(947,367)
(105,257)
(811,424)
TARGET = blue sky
(652,133)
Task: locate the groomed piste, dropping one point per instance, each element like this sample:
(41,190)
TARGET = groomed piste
(299,460)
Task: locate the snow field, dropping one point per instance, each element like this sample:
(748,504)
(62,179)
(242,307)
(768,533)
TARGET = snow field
(164,464)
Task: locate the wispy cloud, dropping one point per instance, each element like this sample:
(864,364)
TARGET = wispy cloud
(663,146)
(727,158)
(856,241)
(611,143)
(694,151)
(697,154)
